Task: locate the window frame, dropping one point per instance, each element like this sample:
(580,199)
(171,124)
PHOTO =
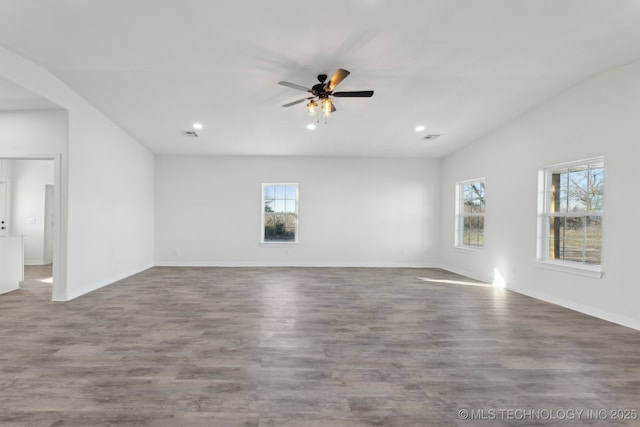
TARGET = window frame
(263,216)
(460,215)
(545,182)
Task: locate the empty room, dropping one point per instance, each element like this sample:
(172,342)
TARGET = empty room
(346,213)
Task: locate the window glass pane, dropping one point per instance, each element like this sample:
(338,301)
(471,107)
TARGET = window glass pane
(593,241)
(553,245)
(474,197)
(593,250)
(594,227)
(563,200)
(466,230)
(470,207)
(558,194)
(280,213)
(269,192)
(479,196)
(290,192)
(578,191)
(275,228)
(596,188)
(572,249)
(269,226)
(473,231)
(468,204)
(574,228)
(575,239)
(468,193)
(595,202)
(290,206)
(555,233)
(564,191)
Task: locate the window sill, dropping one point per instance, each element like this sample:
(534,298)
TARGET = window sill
(469,249)
(578,269)
(278,244)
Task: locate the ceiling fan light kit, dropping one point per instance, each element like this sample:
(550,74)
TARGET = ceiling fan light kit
(322,93)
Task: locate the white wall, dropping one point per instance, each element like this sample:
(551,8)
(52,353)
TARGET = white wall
(596,118)
(28,180)
(352,212)
(108,181)
(111,204)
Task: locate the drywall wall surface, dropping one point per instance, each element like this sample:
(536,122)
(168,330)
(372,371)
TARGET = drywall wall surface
(352,212)
(595,118)
(28,181)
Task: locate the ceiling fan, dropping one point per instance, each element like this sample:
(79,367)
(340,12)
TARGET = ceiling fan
(323,93)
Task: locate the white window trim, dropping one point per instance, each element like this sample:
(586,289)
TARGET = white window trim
(459,217)
(566,267)
(470,249)
(283,243)
(542,259)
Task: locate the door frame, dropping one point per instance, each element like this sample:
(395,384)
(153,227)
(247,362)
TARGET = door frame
(49,223)
(6,214)
(58,287)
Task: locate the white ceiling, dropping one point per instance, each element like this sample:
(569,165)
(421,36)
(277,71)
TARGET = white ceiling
(460,67)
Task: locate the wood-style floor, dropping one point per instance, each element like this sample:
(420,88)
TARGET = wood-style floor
(308,347)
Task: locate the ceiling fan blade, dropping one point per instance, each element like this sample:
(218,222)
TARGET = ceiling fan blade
(354,94)
(336,79)
(296,102)
(294,86)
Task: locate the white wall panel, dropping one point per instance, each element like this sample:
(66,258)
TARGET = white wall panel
(28,181)
(352,212)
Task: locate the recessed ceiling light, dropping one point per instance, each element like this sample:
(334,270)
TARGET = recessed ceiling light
(420,128)
(311,126)
(197,126)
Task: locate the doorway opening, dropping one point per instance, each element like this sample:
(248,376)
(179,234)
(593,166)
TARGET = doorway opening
(29,209)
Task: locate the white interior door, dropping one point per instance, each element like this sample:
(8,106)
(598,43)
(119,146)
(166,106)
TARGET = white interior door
(4,207)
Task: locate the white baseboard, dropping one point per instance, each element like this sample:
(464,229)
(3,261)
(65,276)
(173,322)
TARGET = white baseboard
(101,283)
(280,264)
(591,311)
(9,290)
(36,262)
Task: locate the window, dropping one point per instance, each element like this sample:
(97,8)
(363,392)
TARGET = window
(470,205)
(279,213)
(570,213)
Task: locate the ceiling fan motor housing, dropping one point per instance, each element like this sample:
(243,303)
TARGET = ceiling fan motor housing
(318,89)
